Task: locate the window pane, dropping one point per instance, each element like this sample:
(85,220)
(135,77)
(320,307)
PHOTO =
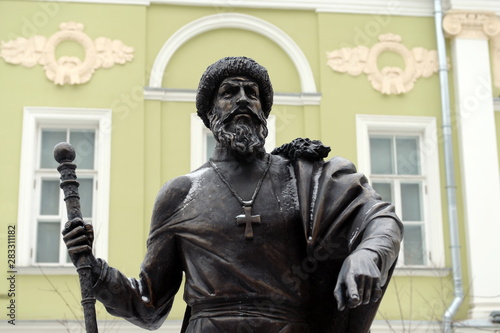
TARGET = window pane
(385,190)
(381,156)
(50,137)
(47,245)
(211,143)
(86,194)
(49,203)
(84,143)
(413,245)
(408,160)
(411,201)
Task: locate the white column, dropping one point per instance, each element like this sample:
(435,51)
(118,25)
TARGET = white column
(478,153)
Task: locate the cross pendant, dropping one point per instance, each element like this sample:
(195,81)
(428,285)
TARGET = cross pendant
(248,219)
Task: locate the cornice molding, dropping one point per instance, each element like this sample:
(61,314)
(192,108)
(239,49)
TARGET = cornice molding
(108,2)
(408,7)
(471,24)
(380,7)
(474,5)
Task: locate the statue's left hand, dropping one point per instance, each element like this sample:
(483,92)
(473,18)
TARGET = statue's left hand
(359,280)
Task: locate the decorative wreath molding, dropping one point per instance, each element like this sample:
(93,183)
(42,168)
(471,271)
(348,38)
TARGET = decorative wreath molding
(419,62)
(100,53)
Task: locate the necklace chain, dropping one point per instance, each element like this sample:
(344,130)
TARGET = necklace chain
(257,189)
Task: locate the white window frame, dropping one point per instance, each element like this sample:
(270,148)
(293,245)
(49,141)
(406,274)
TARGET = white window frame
(199,139)
(425,127)
(45,117)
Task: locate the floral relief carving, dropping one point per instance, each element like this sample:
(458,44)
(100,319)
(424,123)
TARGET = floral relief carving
(102,52)
(419,62)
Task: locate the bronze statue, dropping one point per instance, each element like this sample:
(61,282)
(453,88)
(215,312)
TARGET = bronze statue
(282,242)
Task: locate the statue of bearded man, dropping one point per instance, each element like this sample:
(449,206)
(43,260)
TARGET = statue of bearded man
(283,242)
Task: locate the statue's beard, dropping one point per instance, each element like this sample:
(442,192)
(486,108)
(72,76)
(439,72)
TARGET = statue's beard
(243,132)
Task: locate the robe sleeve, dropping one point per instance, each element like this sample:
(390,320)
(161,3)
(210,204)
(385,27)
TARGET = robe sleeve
(347,215)
(342,214)
(147,301)
(382,236)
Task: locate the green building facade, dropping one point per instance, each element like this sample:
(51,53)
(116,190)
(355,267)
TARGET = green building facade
(118,79)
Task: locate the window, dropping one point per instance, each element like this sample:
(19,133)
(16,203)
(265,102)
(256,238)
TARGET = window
(203,142)
(42,211)
(51,211)
(396,176)
(399,155)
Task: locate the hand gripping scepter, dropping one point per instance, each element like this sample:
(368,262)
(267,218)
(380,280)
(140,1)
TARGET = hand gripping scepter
(64,154)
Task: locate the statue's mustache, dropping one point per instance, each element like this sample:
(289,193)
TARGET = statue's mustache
(241,110)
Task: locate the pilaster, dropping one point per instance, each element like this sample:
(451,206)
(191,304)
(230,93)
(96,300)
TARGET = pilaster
(470,33)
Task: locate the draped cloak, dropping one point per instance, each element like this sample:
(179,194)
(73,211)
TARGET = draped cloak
(314,214)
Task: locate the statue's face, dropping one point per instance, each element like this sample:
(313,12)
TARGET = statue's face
(237,120)
(237,97)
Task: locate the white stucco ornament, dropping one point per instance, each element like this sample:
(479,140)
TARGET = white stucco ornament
(471,25)
(419,62)
(102,52)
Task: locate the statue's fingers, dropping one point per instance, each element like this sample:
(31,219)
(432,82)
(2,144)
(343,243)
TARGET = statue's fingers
(79,249)
(339,293)
(70,225)
(74,233)
(354,292)
(377,291)
(90,231)
(82,240)
(367,290)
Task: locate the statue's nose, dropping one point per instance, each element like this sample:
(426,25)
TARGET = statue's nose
(242,99)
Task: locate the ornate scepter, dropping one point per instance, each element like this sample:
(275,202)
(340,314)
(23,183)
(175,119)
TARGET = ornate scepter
(64,154)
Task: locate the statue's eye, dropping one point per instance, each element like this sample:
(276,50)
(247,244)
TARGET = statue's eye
(230,92)
(251,92)
(226,93)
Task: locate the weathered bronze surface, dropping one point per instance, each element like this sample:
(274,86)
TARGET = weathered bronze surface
(64,154)
(318,246)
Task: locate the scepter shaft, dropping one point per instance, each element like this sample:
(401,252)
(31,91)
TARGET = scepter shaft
(64,154)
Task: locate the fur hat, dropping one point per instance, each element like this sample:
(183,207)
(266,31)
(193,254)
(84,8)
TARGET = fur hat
(229,67)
